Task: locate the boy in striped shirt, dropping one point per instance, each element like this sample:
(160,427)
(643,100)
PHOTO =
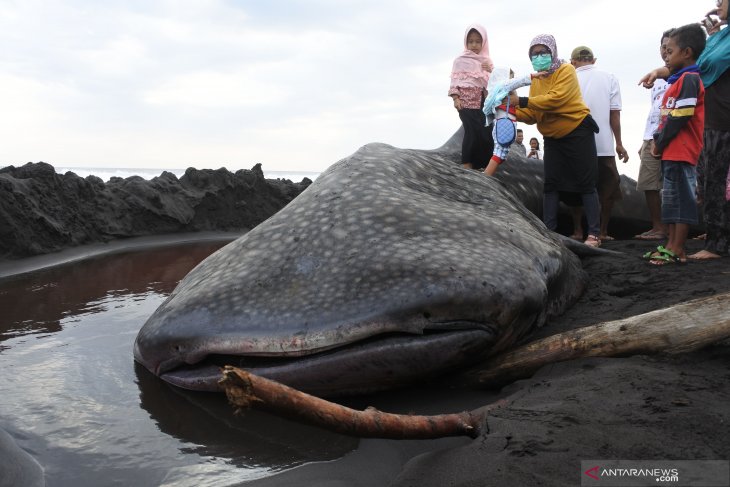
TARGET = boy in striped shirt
(678,140)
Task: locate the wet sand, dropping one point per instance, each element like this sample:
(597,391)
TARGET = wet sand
(14,268)
(634,408)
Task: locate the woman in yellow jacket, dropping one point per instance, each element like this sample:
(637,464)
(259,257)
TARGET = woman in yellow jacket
(555,104)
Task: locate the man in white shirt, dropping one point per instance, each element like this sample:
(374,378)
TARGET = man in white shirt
(650,171)
(602,95)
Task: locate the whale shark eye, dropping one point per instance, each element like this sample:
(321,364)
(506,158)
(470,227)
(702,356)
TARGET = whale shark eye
(178,348)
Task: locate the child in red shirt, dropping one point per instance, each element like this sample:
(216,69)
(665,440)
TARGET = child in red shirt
(678,140)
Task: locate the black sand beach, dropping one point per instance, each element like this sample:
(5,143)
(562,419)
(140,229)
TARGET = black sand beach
(660,407)
(632,408)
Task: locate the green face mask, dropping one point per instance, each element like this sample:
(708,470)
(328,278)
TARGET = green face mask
(541,62)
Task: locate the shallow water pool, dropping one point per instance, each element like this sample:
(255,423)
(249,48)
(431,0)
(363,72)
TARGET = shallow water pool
(73,397)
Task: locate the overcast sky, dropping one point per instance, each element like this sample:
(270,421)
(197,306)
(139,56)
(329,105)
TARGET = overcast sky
(294,85)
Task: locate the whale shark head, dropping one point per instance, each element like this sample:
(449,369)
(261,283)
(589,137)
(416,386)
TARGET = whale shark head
(393,266)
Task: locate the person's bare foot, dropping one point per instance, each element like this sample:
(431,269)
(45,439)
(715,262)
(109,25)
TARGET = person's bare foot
(592,241)
(652,234)
(704,255)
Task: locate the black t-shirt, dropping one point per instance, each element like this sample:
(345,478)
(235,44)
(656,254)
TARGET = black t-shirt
(717,103)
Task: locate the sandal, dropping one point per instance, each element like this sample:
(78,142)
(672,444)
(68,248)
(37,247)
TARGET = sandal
(593,241)
(650,235)
(660,250)
(664,257)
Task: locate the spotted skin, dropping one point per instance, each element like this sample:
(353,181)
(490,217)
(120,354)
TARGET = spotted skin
(392,243)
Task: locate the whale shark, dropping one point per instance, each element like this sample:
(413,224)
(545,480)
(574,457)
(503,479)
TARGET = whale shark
(394,266)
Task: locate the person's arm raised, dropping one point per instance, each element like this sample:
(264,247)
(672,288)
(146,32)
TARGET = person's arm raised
(648,80)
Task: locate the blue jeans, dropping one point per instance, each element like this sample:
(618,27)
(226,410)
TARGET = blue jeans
(679,203)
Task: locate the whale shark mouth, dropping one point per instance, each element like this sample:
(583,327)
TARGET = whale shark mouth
(372,365)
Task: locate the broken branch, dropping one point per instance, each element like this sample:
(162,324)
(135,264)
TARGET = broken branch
(682,328)
(246,390)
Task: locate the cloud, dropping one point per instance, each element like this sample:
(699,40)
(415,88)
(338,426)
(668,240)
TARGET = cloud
(292,84)
(215,89)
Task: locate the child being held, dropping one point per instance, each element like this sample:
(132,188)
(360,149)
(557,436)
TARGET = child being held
(469,77)
(500,86)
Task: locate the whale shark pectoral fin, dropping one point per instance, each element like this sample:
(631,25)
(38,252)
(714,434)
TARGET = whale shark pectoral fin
(582,250)
(17,465)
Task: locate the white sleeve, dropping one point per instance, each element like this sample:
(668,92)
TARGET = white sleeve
(515,83)
(615,94)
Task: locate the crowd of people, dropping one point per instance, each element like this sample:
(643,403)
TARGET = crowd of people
(685,155)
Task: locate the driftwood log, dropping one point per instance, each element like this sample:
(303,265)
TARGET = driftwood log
(679,329)
(246,390)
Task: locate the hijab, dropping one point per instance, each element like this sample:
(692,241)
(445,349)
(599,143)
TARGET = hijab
(548,41)
(715,59)
(467,70)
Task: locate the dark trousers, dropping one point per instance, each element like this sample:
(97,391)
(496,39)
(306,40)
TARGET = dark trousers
(478,144)
(591,208)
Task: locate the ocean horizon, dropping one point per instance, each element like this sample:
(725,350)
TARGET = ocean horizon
(106,173)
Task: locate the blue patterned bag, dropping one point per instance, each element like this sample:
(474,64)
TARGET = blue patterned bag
(504,129)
